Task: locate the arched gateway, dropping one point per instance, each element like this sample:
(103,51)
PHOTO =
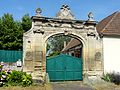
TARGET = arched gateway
(34,42)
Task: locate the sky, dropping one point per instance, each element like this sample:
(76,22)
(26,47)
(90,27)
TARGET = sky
(79,8)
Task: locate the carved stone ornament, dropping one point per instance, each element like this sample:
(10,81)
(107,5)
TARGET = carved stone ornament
(38,12)
(77,26)
(29,55)
(65,13)
(53,24)
(98,56)
(39,30)
(90,16)
(91,34)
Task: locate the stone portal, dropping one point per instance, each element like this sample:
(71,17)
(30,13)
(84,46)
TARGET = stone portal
(34,42)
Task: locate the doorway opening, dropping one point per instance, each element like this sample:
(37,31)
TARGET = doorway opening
(64,58)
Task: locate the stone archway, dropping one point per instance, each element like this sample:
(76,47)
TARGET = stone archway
(34,42)
(68,65)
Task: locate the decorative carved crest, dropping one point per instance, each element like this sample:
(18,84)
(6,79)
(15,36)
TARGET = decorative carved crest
(38,31)
(98,56)
(65,13)
(29,55)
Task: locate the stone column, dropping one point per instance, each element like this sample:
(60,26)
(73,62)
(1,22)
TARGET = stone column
(38,57)
(91,53)
(28,55)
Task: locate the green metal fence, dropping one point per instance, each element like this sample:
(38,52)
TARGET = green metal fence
(10,55)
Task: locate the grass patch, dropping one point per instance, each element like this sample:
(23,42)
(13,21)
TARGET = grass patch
(33,87)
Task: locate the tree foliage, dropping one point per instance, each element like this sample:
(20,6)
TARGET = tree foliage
(11,34)
(11,31)
(26,22)
(56,44)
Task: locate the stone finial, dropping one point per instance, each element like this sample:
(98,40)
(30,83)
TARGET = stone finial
(65,7)
(90,16)
(38,12)
(65,13)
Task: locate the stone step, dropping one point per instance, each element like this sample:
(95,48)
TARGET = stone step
(37,69)
(37,66)
(37,63)
(37,73)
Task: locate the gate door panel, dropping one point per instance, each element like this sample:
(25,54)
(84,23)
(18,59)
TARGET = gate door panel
(64,67)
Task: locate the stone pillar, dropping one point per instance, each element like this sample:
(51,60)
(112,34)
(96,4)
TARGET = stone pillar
(91,47)
(99,57)
(91,53)
(85,58)
(39,54)
(28,55)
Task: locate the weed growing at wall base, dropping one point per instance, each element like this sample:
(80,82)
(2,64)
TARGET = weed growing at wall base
(112,77)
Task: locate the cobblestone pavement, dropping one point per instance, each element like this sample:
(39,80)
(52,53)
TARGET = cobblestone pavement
(75,85)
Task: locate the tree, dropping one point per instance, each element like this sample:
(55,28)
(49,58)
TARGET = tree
(56,44)
(11,33)
(1,32)
(26,22)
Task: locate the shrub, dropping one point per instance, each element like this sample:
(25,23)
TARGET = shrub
(18,78)
(26,80)
(3,75)
(112,77)
(116,78)
(107,77)
(14,78)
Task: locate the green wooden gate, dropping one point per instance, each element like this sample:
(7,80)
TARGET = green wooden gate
(64,67)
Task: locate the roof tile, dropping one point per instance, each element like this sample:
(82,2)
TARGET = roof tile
(110,25)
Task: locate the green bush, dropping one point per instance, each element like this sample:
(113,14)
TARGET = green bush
(14,78)
(116,78)
(26,80)
(112,77)
(107,77)
(3,76)
(18,78)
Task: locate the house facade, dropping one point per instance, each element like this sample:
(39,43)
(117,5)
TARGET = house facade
(109,28)
(73,48)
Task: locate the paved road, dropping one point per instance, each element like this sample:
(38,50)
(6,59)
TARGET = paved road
(69,86)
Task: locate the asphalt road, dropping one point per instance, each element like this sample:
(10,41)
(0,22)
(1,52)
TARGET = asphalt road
(69,86)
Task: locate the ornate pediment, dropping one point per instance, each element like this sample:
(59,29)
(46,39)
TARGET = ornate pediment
(65,13)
